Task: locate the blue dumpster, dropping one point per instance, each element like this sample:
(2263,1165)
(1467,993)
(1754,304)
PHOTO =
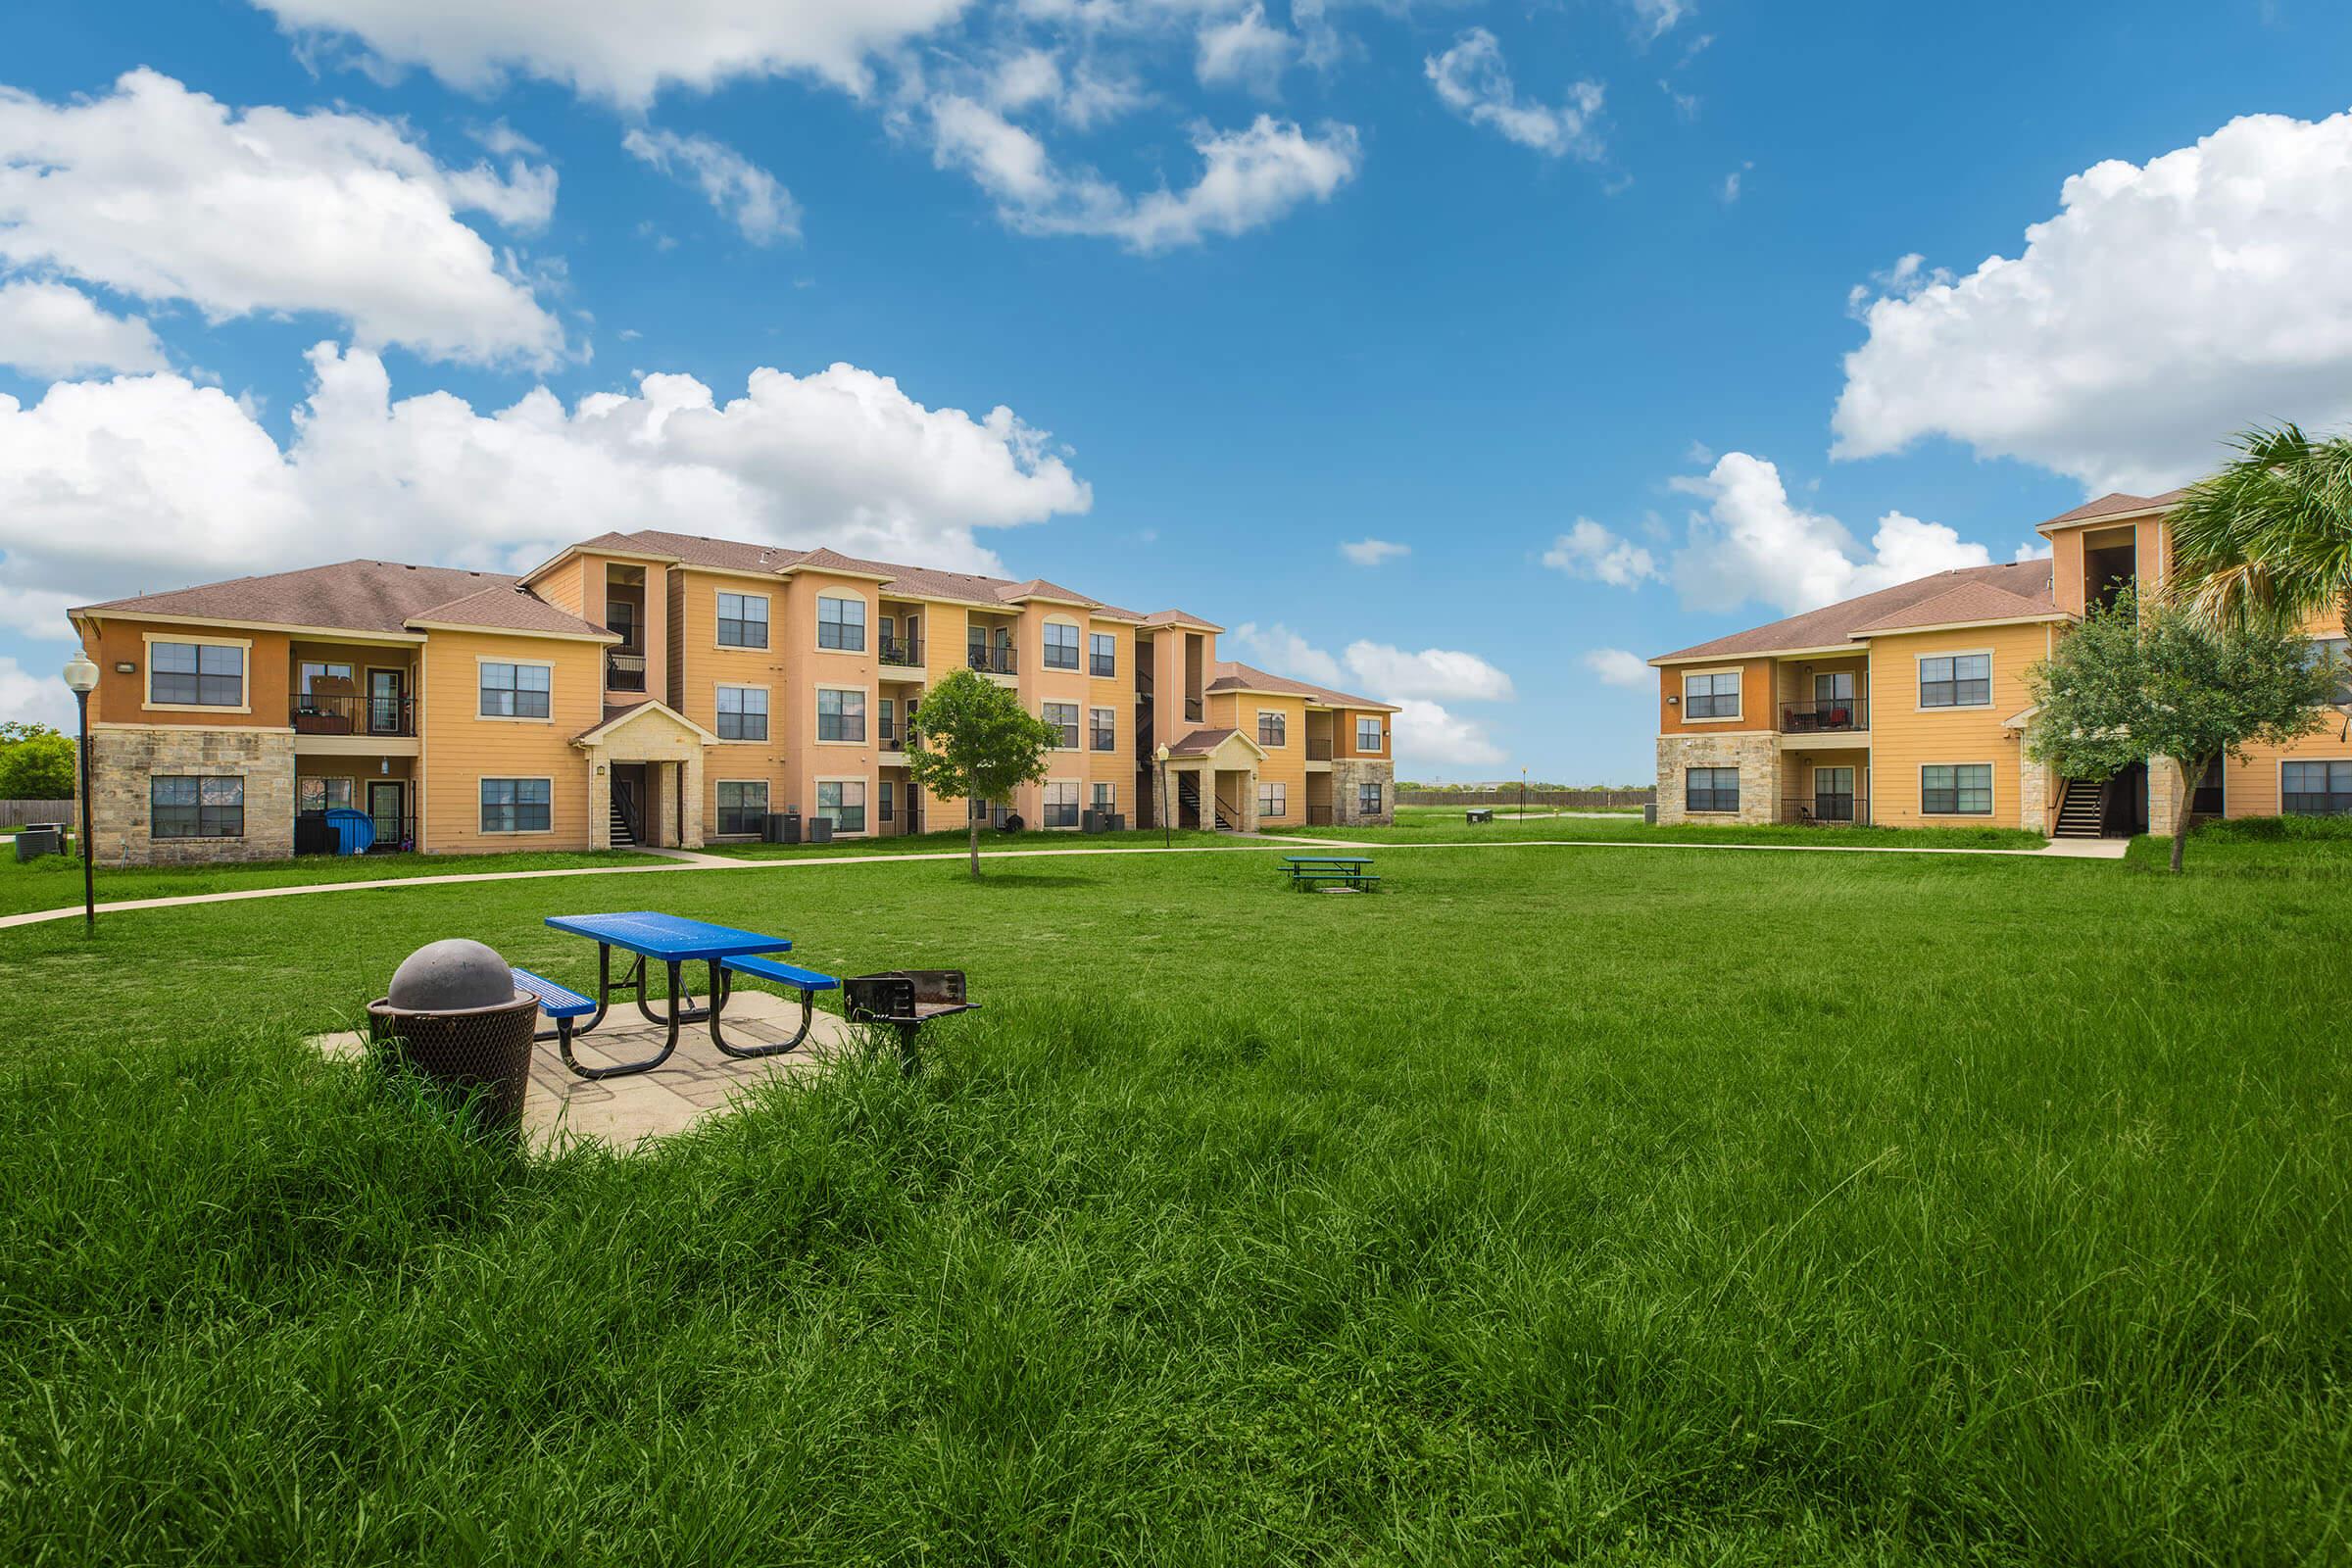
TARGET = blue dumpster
(355,831)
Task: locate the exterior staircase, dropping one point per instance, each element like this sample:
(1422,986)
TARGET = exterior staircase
(2082,810)
(622,838)
(1188,796)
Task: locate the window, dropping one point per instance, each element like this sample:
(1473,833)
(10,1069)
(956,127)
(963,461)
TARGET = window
(517,805)
(840,716)
(620,618)
(743,712)
(887,812)
(1273,729)
(196,807)
(196,675)
(1837,687)
(885,725)
(1715,696)
(843,802)
(742,806)
(1061,645)
(1959,681)
(1273,800)
(841,623)
(2209,798)
(1959,789)
(1106,725)
(2308,789)
(1367,734)
(1106,799)
(1063,718)
(321,793)
(1061,803)
(515,691)
(2330,651)
(1833,795)
(1103,654)
(743,621)
(317,669)
(1711,789)
(1367,800)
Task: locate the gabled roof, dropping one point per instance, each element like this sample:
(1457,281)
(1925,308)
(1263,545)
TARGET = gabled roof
(1229,677)
(1835,625)
(617,715)
(1207,742)
(2114,504)
(1969,603)
(375,596)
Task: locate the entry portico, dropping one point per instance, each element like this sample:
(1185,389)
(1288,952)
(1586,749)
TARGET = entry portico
(645,767)
(1213,772)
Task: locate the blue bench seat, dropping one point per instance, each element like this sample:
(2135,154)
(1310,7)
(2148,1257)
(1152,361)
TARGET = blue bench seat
(783,974)
(557,1002)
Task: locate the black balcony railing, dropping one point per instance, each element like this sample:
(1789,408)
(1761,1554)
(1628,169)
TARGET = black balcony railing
(1192,709)
(1318,816)
(624,671)
(1826,811)
(1844,716)
(903,652)
(895,735)
(316,714)
(1318,749)
(993,660)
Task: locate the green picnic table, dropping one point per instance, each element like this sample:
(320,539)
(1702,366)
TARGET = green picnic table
(1315,870)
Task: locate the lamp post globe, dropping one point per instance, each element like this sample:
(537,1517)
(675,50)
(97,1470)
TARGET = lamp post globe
(81,679)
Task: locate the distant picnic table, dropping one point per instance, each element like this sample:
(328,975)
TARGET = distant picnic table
(1319,871)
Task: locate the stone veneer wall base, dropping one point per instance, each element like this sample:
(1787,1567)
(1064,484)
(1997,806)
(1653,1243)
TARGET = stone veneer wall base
(125,759)
(1757,756)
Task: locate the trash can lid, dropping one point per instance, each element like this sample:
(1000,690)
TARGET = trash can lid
(451,975)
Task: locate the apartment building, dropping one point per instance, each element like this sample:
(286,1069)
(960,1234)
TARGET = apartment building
(669,689)
(1908,707)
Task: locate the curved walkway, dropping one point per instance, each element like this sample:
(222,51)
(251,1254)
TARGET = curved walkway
(684,861)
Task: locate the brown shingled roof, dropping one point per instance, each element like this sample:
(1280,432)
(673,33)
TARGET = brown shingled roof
(2112,504)
(1229,677)
(1970,602)
(379,595)
(1200,742)
(1834,624)
(510,606)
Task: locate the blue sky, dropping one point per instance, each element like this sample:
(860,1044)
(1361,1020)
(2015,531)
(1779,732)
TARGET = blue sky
(1558,298)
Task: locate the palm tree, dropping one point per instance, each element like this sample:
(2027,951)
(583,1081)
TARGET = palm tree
(2268,538)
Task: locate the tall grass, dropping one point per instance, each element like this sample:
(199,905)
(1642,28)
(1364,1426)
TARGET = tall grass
(1557,1206)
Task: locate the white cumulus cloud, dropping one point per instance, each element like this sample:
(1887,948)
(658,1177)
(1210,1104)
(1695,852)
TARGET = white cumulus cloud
(740,190)
(1373,551)
(1429,738)
(49,331)
(1618,666)
(166,194)
(147,482)
(26,698)
(1598,553)
(1428,734)
(2164,306)
(1472,81)
(621,50)
(1244,51)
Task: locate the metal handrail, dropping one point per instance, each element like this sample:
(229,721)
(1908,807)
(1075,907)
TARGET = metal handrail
(903,651)
(625,672)
(1318,816)
(1845,715)
(1319,751)
(1828,811)
(352,713)
(993,660)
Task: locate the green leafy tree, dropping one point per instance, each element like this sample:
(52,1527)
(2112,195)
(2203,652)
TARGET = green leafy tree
(2147,681)
(36,764)
(2268,538)
(974,741)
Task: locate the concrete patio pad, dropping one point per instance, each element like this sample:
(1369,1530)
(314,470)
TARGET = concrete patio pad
(696,1082)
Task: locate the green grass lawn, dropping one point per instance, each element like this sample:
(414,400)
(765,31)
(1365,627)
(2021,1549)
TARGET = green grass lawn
(55,880)
(1553,1206)
(1450,827)
(957,842)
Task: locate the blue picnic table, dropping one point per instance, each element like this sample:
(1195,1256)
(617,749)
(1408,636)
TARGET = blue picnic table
(675,942)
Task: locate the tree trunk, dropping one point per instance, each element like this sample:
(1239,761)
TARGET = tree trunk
(2185,799)
(972,825)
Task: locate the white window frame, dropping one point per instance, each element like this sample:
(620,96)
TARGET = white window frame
(767,699)
(1044,803)
(1379,747)
(200,836)
(1103,796)
(1992,788)
(1078,649)
(768,607)
(1092,727)
(865,625)
(866,804)
(2283,761)
(548,665)
(766,804)
(1110,637)
(1077,724)
(350,780)
(480,779)
(1738,789)
(147,682)
(1738,672)
(816,716)
(1281,795)
(1279,716)
(1920,679)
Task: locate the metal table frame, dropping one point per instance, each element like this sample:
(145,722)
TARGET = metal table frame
(674,942)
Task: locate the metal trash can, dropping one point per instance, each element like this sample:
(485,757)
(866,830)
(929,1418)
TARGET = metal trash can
(1650,814)
(454,1018)
(35,842)
(820,830)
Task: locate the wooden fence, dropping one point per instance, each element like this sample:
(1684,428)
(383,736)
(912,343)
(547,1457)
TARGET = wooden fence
(1553,800)
(16,814)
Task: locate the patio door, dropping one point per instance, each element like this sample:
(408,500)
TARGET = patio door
(1833,794)
(383,702)
(385,800)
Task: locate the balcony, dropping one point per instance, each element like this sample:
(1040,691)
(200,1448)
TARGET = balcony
(903,653)
(318,714)
(1844,716)
(1192,709)
(1318,816)
(1826,811)
(624,671)
(1318,748)
(895,735)
(993,660)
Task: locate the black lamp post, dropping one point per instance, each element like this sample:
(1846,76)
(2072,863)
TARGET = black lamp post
(81,677)
(1166,804)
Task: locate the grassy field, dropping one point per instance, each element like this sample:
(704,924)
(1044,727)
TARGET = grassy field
(1551,1205)
(1430,826)
(958,843)
(55,880)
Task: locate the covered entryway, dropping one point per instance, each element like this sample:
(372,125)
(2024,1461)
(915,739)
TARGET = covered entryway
(1212,774)
(645,777)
